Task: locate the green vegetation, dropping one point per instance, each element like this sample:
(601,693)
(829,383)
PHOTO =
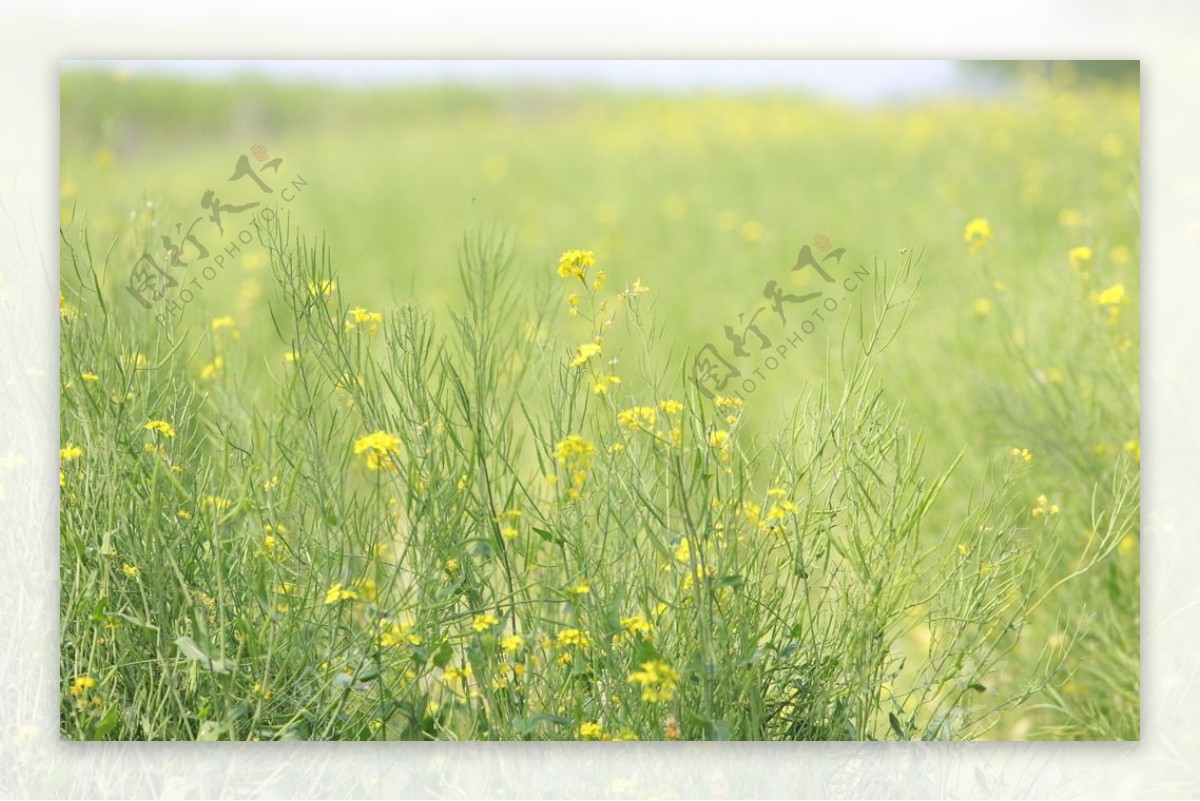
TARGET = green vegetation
(423,457)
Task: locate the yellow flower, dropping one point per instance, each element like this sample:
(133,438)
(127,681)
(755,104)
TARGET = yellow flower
(584,352)
(221,322)
(1113,296)
(360,315)
(509,533)
(65,310)
(671,407)
(581,588)
(215,502)
(982,307)
(590,731)
(160,427)
(598,284)
(392,634)
(977,234)
(89,377)
(683,552)
(1135,447)
(364,588)
(639,417)
(1022,454)
(512,643)
(212,369)
(379,448)
(575,263)
(131,571)
(631,628)
(69,453)
(574,453)
(1079,256)
(484,621)
(718,439)
(572,637)
(337,593)
(657,679)
(81,684)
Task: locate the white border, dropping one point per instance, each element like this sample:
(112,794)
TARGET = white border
(33,38)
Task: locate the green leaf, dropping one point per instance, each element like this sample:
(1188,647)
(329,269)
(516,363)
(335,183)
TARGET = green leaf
(441,657)
(892,719)
(548,536)
(107,723)
(193,652)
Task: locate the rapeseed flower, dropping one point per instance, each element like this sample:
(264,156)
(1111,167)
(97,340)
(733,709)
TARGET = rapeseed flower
(360,316)
(337,593)
(584,352)
(484,621)
(1079,256)
(657,679)
(639,417)
(160,427)
(379,447)
(82,684)
(590,731)
(575,263)
(977,234)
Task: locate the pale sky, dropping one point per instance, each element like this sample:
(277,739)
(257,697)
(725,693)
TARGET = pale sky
(860,81)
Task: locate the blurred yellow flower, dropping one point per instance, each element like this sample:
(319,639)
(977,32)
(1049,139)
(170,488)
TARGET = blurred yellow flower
(484,621)
(657,679)
(1113,296)
(1079,256)
(337,593)
(160,427)
(977,234)
(590,731)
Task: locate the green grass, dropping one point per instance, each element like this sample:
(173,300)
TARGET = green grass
(864,558)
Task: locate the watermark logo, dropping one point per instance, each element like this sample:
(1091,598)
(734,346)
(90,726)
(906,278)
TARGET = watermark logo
(714,373)
(184,252)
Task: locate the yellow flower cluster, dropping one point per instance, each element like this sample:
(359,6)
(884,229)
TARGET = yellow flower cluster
(1044,507)
(574,454)
(586,351)
(575,263)
(484,621)
(160,427)
(657,679)
(379,448)
(360,316)
(638,418)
